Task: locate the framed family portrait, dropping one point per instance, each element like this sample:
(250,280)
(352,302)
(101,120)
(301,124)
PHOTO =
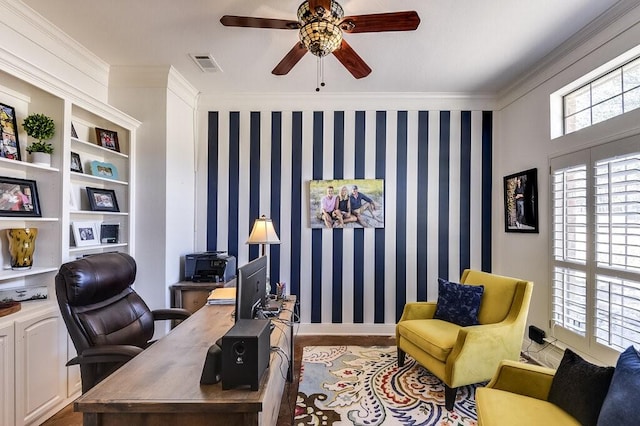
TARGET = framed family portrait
(521,202)
(19,197)
(9,145)
(105,170)
(346,203)
(102,199)
(85,233)
(107,139)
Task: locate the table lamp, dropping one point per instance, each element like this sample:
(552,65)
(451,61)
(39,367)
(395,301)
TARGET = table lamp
(263,233)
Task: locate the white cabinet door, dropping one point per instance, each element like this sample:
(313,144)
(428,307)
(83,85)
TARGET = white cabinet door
(40,358)
(7,366)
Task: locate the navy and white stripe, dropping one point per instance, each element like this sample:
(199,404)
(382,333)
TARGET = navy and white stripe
(437,171)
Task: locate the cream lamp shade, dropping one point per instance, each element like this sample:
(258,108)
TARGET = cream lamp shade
(263,233)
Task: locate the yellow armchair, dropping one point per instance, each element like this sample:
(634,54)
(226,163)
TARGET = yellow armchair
(461,356)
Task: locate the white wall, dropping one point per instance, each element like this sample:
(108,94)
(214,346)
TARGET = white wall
(522,141)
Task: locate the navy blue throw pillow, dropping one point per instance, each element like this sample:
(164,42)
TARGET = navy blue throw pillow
(458,303)
(620,405)
(579,387)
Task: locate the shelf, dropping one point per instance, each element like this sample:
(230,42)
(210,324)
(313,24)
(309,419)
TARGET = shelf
(28,219)
(89,178)
(97,148)
(23,165)
(92,213)
(96,247)
(10,274)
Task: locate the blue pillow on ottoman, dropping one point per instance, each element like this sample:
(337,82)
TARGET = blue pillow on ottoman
(458,303)
(620,406)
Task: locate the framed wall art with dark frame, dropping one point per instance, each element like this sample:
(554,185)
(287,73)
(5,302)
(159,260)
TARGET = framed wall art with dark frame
(107,139)
(76,163)
(521,202)
(19,197)
(9,144)
(102,200)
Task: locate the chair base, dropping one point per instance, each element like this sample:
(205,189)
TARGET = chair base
(401,356)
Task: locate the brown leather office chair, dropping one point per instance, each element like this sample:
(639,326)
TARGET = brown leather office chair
(107,320)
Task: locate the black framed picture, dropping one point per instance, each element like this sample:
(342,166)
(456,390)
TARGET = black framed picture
(102,199)
(521,202)
(19,197)
(76,164)
(9,144)
(107,139)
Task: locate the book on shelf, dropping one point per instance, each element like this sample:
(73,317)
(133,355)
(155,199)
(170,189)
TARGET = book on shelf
(222,296)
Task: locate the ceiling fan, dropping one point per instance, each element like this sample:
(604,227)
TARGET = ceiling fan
(321,24)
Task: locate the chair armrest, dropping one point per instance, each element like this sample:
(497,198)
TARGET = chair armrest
(479,349)
(107,353)
(418,310)
(524,379)
(170,314)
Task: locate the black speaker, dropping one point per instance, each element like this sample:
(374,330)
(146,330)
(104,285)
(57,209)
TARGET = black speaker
(212,370)
(245,353)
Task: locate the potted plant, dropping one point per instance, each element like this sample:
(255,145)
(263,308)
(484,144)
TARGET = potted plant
(42,128)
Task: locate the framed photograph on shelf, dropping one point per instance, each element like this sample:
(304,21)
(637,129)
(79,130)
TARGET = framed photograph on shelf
(103,200)
(107,139)
(74,134)
(105,170)
(74,203)
(19,197)
(85,233)
(76,164)
(9,144)
(521,202)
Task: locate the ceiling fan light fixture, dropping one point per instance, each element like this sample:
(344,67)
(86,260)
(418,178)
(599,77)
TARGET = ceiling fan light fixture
(306,15)
(320,37)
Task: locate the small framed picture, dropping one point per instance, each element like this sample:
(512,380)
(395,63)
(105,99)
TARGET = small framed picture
(9,144)
(85,233)
(102,199)
(76,164)
(521,202)
(19,197)
(74,134)
(73,200)
(107,139)
(105,170)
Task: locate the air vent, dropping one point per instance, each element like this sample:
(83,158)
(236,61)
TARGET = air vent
(206,62)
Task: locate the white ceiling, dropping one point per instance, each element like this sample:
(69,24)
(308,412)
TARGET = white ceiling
(468,46)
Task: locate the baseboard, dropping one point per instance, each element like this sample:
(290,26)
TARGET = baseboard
(346,329)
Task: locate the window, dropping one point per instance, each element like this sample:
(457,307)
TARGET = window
(612,94)
(596,245)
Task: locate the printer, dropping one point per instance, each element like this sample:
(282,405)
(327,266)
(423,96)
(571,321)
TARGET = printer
(210,266)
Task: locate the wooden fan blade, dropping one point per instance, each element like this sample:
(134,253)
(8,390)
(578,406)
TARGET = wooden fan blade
(326,4)
(248,21)
(290,59)
(378,22)
(351,61)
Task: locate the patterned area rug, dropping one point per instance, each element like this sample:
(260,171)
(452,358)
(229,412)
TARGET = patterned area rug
(358,385)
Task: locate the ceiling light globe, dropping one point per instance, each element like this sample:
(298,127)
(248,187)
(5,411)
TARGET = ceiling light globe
(320,37)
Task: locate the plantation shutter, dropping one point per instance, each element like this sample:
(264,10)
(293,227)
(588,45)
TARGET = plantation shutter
(595,260)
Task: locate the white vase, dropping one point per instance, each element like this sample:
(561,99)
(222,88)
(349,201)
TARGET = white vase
(41,158)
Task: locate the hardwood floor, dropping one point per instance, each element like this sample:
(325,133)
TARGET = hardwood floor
(67,417)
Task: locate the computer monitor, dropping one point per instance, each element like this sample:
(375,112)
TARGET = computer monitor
(251,288)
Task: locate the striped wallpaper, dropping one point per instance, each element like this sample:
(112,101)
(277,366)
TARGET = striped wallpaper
(437,171)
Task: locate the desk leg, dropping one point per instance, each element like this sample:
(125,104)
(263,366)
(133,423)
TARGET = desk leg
(291,354)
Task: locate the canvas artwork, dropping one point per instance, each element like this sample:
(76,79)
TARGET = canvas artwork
(346,203)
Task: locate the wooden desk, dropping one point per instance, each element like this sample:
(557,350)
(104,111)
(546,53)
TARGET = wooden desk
(161,386)
(193,295)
